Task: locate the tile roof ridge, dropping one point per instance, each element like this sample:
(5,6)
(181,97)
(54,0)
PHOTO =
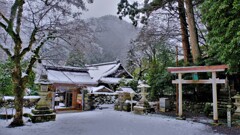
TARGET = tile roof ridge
(65,68)
(103,64)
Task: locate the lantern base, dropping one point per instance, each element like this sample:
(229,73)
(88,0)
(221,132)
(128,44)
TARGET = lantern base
(42,115)
(139,110)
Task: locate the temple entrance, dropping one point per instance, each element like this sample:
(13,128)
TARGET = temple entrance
(68,100)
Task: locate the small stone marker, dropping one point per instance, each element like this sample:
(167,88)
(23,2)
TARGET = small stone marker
(164,104)
(229,120)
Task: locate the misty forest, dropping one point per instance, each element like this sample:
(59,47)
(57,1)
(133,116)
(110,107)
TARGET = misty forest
(145,36)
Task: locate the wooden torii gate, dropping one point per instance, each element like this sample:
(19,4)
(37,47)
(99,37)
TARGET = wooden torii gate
(195,69)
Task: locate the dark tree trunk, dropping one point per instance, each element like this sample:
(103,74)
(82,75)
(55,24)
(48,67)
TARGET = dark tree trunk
(19,87)
(184,33)
(193,32)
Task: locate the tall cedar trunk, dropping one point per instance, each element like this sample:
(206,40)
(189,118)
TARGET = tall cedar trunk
(184,33)
(193,32)
(19,87)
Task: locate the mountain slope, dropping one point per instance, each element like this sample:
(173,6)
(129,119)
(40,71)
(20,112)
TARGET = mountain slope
(113,35)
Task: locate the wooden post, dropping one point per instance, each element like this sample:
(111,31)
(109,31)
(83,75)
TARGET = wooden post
(53,100)
(176,83)
(177,99)
(83,100)
(214,91)
(180,94)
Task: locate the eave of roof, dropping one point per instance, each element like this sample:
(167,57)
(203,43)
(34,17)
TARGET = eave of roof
(65,68)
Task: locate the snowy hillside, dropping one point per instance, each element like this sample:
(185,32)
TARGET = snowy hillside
(114,36)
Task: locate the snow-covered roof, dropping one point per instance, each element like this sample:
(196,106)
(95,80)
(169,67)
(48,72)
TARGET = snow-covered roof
(99,89)
(105,93)
(68,75)
(112,80)
(99,72)
(111,70)
(126,89)
(143,85)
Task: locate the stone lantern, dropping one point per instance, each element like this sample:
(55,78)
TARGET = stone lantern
(44,101)
(42,111)
(141,108)
(236,114)
(143,87)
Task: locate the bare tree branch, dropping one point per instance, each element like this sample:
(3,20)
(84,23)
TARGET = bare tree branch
(19,17)
(35,56)
(13,15)
(3,26)
(4,18)
(31,42)
(6,50)
(33,14)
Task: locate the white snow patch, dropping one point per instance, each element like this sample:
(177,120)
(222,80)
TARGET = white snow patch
(25,97)
(129,101)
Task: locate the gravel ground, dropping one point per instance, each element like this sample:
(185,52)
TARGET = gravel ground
(222,128)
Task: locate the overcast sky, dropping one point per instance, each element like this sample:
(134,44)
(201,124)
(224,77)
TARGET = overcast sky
(101,7)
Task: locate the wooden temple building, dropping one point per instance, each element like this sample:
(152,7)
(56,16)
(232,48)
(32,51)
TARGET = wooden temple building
(68,82)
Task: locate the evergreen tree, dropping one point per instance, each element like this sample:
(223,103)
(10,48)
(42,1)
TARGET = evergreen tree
(6,84)
(76,59)
(157,76)
(223,22)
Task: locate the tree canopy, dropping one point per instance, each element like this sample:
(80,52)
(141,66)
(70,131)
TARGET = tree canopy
(222,19)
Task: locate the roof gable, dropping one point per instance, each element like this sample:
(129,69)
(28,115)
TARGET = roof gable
(126,89)
(109,69)
(99,89)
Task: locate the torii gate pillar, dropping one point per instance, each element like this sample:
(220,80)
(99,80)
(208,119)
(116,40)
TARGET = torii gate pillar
(214,94)
(180,112)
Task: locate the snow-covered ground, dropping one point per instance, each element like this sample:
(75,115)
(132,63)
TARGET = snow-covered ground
(108,122)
